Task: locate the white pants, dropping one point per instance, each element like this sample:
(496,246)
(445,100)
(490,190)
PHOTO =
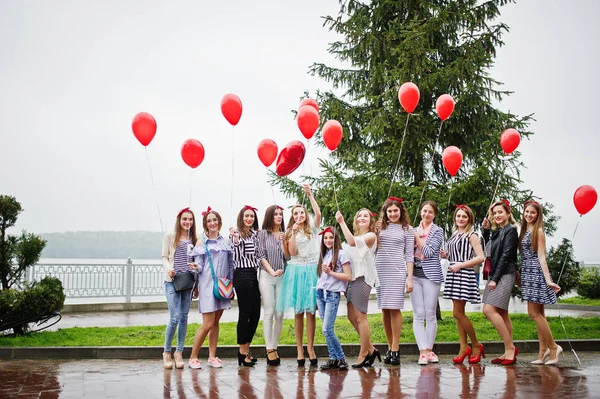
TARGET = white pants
(424,298)
(269,287)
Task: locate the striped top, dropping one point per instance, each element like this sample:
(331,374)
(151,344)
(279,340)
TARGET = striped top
(431,264)
(269,247)
(244,252)
(460,248)
(181,259)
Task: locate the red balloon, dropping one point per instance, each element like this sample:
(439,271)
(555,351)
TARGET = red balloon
(585,198)
(267,152)
(409,96)
(332,134)
(510,140)
(144,127)
(192,152)
(308,121)
(309,101)
(444,106)
(452,159)
(231,108)
(290,157)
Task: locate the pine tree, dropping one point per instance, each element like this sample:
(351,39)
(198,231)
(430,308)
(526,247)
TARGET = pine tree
(443,47)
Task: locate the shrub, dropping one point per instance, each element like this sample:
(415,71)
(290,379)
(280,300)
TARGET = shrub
(589,284)
(37,299)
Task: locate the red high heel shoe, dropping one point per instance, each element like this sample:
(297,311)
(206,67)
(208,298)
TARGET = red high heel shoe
(460,359)
(477,359)
(510,362)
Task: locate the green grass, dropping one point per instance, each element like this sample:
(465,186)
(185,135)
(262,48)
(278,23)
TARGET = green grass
(579,300)
(524,329)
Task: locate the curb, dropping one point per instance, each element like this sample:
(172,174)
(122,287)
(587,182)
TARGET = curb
(133,306)
(285,351)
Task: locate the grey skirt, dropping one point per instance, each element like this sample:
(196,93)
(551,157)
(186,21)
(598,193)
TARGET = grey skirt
(358,294)
(500,297)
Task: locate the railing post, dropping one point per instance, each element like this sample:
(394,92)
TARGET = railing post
(128,280)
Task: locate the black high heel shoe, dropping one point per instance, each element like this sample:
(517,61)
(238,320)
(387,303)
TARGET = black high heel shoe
(387,359)
(365,363)
(301,362)
(242,360)
(273,362)
(314,362)
(252,358)
(374,355)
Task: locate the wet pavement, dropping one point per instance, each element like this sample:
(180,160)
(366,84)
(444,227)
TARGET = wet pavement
(159,317)
(147,379)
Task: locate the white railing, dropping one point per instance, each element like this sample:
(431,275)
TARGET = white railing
(87,280)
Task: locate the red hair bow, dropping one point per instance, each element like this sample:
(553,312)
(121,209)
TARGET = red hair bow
(279,207)
(531,202)
(395,199)
(183,210)
(246,207)
(461,206)
(374,214)
(207,211)
(327,230)
(506,202)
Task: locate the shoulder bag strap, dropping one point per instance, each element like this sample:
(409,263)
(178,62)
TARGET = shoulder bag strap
(210,262)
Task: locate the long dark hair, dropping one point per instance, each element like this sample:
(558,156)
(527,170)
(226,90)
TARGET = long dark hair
(269,219)
(192,233)
(240,223)
(337,245)
(404,218)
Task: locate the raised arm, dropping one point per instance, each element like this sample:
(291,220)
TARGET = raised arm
(347,233)
(314,205)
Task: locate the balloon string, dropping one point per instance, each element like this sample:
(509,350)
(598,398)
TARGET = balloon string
(447,224)
(437,140)
(191,173)
(272,189)
(399,153)
(336,200)
(154,191)
(232,174)
(309,159)
(557,303)
(498,182)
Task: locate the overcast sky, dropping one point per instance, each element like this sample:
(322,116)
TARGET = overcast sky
(73,74)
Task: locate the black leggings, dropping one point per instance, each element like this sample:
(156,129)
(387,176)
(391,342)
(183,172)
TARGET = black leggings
(245,283)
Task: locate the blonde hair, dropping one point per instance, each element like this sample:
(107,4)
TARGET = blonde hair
(470,224)
(355,221)
(305,228)
(506,207)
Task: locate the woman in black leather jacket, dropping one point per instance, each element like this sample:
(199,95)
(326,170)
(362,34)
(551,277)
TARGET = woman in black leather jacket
(504,242)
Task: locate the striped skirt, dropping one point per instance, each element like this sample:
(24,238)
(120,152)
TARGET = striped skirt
(462,286)
(500,296)
(358,294)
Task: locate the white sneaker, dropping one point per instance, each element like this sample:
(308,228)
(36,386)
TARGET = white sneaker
(423,359)
(215,362)
(432,358)
(195,364)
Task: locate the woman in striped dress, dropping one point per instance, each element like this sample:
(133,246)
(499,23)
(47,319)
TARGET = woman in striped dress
(427,280)
(464,252)
(300,277)
(537,287)
(394,264)
(177,246)
(361,251)
(270,252)
(497,293)
(245,280)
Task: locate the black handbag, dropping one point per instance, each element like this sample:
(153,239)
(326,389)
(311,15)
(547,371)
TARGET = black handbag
(184,281)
